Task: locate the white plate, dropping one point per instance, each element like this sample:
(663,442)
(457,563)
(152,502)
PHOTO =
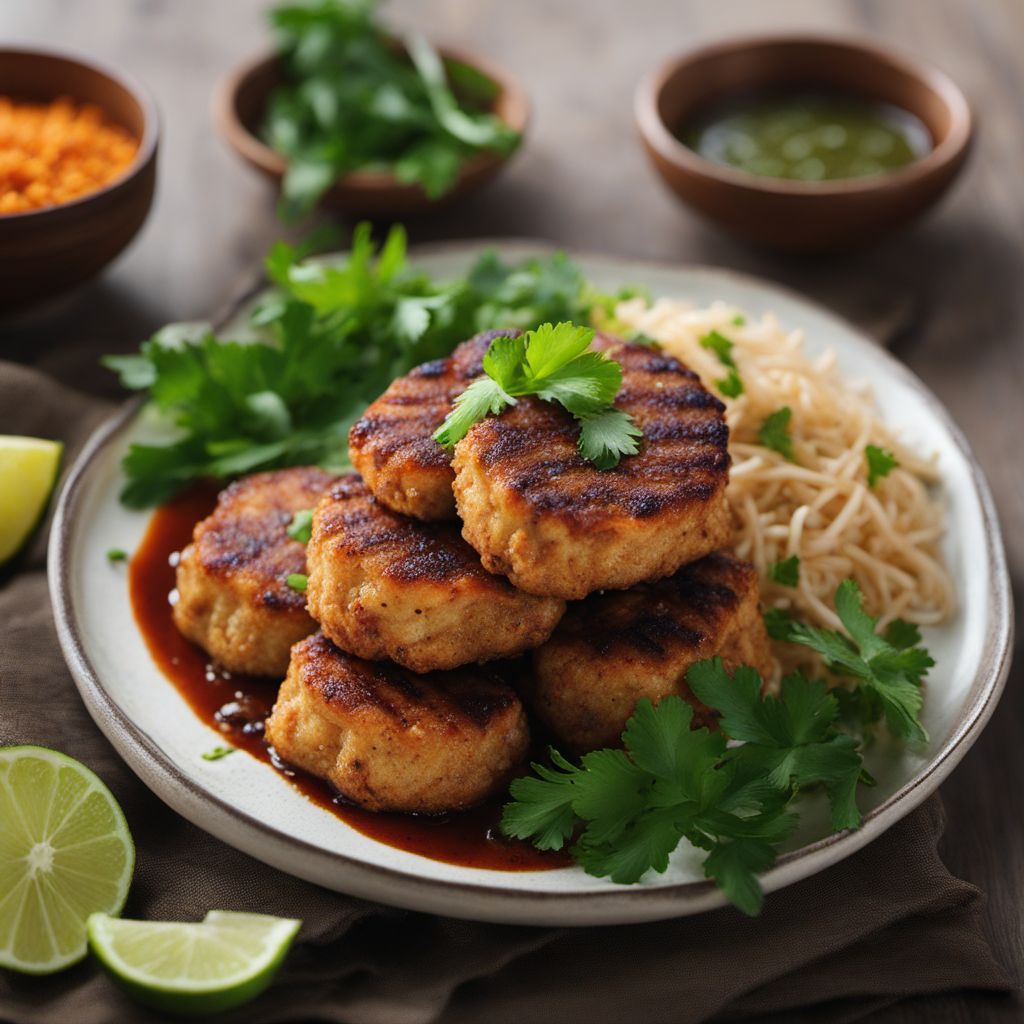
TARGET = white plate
(247,804)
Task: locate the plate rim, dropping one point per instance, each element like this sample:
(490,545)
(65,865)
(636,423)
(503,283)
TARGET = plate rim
(146,758)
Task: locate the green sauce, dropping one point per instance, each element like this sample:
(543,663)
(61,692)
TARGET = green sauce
(808,136)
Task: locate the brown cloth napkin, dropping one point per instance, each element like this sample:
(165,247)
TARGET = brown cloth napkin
(887,923)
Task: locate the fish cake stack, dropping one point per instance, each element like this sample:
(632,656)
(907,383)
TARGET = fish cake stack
(431,569)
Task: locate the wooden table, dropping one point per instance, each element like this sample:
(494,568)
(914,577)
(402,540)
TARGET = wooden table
(952,289)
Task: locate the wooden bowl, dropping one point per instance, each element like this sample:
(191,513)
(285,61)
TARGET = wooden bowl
(241,100)
(799,215)
(47,251)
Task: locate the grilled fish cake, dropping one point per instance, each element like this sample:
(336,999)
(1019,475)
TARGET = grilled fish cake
(390,740)
(233,596)
(384,586)
(615,648)
(391,444)
(555,524)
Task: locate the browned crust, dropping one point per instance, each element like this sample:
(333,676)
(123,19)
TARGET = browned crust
(391,444)
(233,595)
(245,538)
(445,702)
(390,740)
(615,648)
(683,463)
(555,524)
(386,586)
(350,523)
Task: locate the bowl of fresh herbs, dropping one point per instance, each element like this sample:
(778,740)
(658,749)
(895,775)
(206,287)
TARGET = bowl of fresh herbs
(346,114)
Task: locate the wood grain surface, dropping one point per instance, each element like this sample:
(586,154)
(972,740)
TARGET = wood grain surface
(949,293)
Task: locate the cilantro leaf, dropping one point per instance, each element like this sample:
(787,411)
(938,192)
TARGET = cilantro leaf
(730,385)
(297,581)
(786,572)
(734,867)
(541,807)
(482,398)
(893,673)
(301,526)
(721,346)
(789,740)
(630,808)
(774,433)
(606,436)
(332,335)
(902,634)
(550,348)
(585,387)
(553,363)
(880,463)
(350,99)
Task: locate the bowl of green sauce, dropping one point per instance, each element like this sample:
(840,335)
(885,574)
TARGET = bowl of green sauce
(804,143)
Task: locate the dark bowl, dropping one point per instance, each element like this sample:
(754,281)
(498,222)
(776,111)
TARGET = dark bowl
(798,215)
(241,101)
(47,251)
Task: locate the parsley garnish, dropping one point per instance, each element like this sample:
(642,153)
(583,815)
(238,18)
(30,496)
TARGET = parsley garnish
(554,364)
(335,334)
(297,581)
(786,572)
(628,809)
(889,667)
(625,811)
(116,555)
(739,319)
(880,463)
(352,100)
(730,385)
(301,526)
(774,433)
(217,753)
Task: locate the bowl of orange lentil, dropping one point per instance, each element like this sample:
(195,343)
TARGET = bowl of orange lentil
(78,145)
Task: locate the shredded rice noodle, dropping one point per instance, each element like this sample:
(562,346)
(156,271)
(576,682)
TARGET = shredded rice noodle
(819,507)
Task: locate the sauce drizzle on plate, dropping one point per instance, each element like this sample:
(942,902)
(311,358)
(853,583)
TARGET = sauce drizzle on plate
(236,706)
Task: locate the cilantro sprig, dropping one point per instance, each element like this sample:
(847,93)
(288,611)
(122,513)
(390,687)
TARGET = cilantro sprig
(880,463)
(774,433)
(553,363)
(351,99)
(786,572)
(889,667)
(625,811)
(334,333)
(731,385)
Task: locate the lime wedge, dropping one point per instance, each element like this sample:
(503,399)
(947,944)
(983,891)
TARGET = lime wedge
(194,969)
(28,471)
(65,852)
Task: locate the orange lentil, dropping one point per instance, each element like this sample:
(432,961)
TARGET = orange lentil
(55,152)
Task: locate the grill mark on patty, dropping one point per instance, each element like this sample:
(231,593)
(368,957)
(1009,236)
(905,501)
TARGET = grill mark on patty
(352,685)
(357,523)
(653,619)
(246,534)
(683,461)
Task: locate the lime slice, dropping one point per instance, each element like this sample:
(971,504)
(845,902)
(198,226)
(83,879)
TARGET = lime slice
(187,968)
(65,852)
(28,471)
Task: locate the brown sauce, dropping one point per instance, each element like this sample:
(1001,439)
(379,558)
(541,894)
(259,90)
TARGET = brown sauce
(237,706)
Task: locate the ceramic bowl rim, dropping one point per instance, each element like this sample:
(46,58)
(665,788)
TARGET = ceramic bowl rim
(660,138)
(124,81)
